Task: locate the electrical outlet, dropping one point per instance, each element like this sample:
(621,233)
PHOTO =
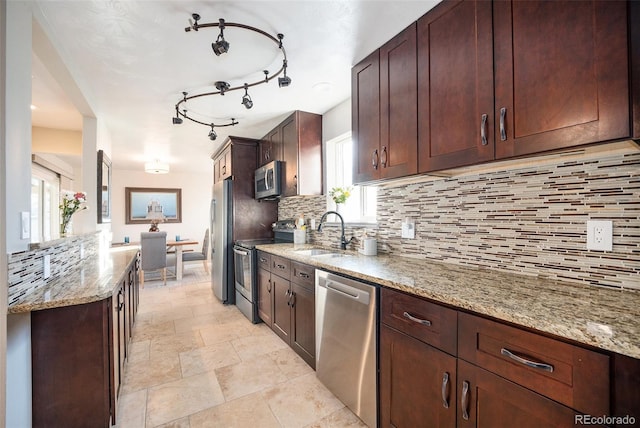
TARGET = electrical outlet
(408,229)
(600,235)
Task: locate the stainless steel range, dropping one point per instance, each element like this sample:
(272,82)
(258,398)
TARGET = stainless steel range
(246,268)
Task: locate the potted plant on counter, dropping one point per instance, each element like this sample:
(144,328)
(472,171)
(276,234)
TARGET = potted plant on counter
(71,203)
(340,196)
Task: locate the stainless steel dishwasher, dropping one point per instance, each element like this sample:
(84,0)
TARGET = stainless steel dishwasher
(346,342)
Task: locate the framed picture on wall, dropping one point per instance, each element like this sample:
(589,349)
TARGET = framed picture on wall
(103,193)
(143,204)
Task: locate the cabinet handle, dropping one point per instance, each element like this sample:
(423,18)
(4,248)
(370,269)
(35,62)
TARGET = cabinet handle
(224,169)
(269,286)
(267,155)
(483,130)
(263,260)
(445,390)
(292,299)
(288,294)
(383,157)
(374,159)
(464,401)
(533,364)
(503,132)
(280,266)
(303,275)
(295,181)
(414,319)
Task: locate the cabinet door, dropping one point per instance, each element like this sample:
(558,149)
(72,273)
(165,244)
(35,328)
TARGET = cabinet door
(365,118)
(487,400)
(290,156)
(417,383)
(399,105)
(455,85)
(303,316)
(271,146)
(265,297)
(281,289)
(561,74)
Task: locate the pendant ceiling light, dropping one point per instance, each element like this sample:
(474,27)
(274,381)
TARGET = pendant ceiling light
(156,167)
(221,46)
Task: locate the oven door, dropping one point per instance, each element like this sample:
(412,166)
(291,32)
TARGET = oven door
(243,265)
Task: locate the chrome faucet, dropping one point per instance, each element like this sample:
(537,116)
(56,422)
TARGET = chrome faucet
(343,239)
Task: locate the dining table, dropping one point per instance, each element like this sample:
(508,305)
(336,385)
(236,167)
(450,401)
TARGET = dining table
(179,245)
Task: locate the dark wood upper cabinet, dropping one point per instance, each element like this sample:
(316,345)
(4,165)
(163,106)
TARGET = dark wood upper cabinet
(302,154)
(365,118)
(384,111)
(561,74)
(455,85)
(270,147)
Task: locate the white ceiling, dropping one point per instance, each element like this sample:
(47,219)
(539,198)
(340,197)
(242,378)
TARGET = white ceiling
(132,60)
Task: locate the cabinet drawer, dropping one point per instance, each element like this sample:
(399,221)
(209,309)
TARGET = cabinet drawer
(264,260)
(571,375)
(426,321)
(303,275)
(280,266)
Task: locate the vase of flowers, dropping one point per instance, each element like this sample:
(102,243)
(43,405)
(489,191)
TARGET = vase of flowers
(340,196)
(71,203)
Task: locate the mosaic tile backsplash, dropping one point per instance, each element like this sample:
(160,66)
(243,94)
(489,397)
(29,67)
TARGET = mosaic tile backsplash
(530,220)
(25,268)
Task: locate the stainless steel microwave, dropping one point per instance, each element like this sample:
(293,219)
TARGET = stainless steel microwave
(268,181)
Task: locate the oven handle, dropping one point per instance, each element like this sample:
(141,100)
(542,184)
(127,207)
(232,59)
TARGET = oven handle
(240,252)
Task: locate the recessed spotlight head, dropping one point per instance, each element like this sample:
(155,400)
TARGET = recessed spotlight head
(212,134)
(220,46)
(284,81)
(246,99)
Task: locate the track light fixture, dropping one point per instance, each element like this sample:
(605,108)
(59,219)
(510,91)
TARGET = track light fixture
(246,99)
(219,47)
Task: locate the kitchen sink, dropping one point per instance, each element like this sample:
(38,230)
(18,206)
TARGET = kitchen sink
(314,252)
(332,255)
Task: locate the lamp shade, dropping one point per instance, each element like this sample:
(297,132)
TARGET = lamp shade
(156,167)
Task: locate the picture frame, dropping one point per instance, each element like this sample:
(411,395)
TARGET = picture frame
(103,193)
(139,201)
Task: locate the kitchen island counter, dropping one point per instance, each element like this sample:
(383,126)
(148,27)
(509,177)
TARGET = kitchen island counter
(93,280)
(601,317)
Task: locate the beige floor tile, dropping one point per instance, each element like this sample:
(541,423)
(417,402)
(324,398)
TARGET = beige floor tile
(248,377)
(301,401)
(208,358)
(343,418)
(145,330)
(216,333)
(172,314)
(290,363)
(245,412)
(175,343)
(144,374)
(178,423)
(131,409)
(249,347)
(183,397)
(138,351)
(194,323)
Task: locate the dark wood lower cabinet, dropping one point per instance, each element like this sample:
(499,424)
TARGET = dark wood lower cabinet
(281,288)
(488,401)
(303,316)
(265,297)
(78,354)
(417,383)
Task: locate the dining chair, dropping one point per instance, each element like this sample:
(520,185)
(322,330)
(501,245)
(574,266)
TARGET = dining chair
(199,256)
(153,252)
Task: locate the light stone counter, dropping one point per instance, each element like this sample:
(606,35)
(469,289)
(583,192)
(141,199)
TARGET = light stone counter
(605,318)
(95,279)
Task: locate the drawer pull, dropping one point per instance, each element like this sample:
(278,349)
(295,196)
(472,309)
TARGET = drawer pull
(503,131)
(483,130)
(528,363)
(263,260)
(303,275)
(280,266)
(445,390)
(414,319)
(464,401)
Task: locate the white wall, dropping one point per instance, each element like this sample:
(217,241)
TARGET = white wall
(196,197)
(3,223)
(336,121)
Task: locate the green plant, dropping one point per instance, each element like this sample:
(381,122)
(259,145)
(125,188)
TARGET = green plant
(340,194)
(70,204)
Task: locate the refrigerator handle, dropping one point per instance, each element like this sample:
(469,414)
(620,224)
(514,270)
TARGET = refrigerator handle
(212,216)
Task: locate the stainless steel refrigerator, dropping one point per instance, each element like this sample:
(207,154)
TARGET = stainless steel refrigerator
(222,280)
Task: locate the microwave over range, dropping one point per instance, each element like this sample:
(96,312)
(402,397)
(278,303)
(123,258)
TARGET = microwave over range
(268,181)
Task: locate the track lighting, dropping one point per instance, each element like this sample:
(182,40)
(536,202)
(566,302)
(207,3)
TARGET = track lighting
(220,46)
(246,99)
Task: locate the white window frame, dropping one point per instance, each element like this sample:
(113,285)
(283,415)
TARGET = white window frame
(46,219)
(359,209)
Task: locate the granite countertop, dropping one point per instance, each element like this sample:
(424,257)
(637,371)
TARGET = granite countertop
(95,279)
(605,318)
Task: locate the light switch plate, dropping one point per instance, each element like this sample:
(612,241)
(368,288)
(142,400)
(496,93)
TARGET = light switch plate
(408,229)
(46,268)
(25,225)
(600,235)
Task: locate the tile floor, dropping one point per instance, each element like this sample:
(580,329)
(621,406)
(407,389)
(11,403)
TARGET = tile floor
(196,363)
